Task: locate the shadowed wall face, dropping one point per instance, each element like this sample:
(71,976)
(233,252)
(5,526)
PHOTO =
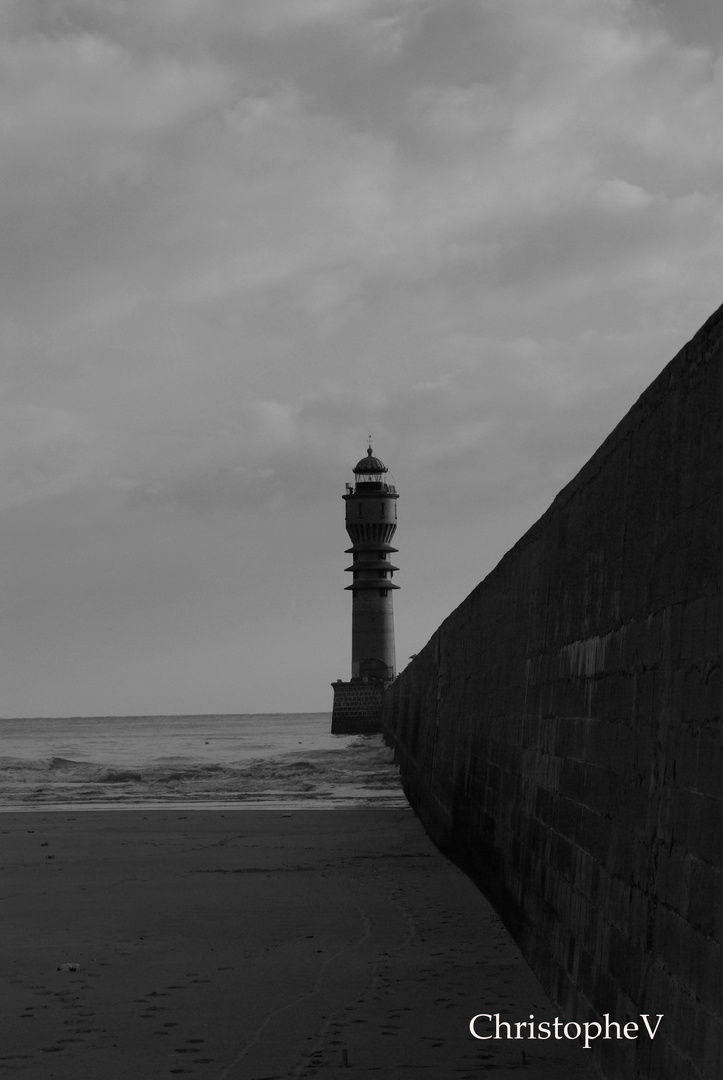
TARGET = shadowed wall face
(563,729)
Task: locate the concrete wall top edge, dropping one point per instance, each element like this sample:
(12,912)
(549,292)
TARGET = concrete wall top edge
(650,400)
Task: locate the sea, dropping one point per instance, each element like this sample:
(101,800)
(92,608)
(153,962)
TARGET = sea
(245,761)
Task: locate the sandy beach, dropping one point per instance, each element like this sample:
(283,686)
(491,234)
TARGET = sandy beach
(251,945)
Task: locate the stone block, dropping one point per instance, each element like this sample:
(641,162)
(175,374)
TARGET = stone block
(357,707)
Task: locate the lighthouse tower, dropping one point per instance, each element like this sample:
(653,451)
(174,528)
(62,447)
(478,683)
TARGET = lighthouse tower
(371,521)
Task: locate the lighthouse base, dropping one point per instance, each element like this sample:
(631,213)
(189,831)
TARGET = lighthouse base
(357,707)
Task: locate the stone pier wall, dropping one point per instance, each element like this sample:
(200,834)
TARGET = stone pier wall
(562,731)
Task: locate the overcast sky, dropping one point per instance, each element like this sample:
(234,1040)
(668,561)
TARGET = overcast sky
(238,235)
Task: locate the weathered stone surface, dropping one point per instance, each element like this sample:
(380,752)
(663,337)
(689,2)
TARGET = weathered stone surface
(563,729)
(357,707)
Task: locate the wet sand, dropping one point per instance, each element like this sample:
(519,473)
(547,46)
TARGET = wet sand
(254,945)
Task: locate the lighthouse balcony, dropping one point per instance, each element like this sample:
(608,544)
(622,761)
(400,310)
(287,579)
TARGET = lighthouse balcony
(364,565)
(371,583)
(370,487)
(370,545)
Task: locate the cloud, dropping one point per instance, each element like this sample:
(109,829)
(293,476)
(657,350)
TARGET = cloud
(232,490)
(64,89)
(86,137)
(202,186)
(283,193)
(45,452)
(376,29)
(378,20)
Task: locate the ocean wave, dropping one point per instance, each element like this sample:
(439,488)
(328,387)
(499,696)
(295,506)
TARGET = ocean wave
(360,770)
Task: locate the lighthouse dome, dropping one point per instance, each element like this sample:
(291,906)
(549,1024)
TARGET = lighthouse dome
(370,464)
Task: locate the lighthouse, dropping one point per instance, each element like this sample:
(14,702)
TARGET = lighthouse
(371,521)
